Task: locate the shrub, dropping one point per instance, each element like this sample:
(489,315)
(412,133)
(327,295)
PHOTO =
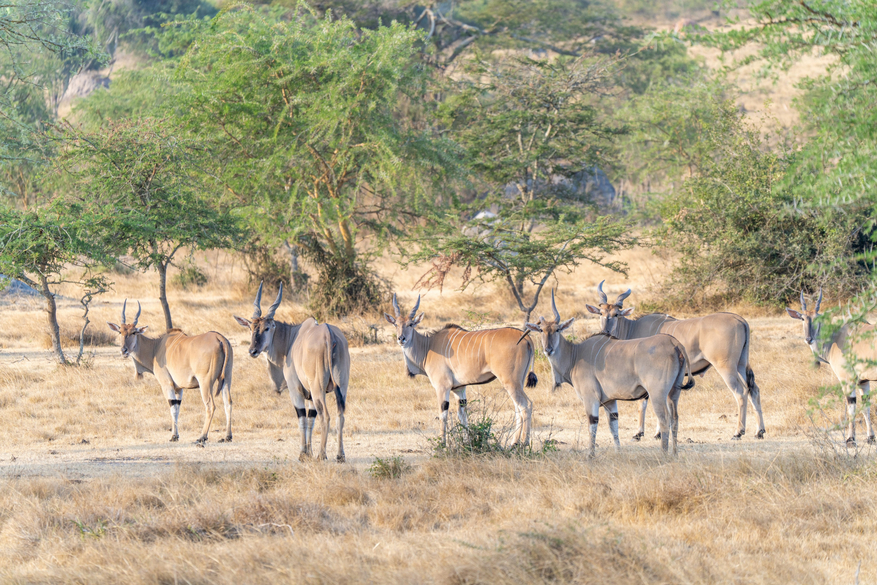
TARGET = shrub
(741,230)
(390,468)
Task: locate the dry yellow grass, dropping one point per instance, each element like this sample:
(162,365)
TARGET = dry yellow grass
(91,491)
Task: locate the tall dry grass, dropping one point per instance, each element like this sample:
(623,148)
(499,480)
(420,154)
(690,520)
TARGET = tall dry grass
(91,491)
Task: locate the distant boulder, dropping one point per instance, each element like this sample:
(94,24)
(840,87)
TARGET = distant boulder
(10,287)
(82,84)
(589,185)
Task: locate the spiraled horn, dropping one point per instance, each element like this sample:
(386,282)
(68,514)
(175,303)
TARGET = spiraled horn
(396,306)
(273,308)
(803,302)
(257,312)
(123,311)
(554,307)
(137,316)
(414,310)
(603,297)
(620,300)
(819,300)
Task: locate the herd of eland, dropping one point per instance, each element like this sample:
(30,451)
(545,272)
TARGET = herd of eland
(645,359)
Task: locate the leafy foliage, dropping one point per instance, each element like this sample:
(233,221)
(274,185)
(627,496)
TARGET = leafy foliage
(530,129)
(301,120)
(741,233)
(48,246)
(140,182)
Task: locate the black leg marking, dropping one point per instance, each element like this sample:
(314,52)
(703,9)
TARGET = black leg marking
(463,402)
(445,405)
(174,402)
(339,399)
(613,416)
(851,399)
(300,412)
(593,419)
(312,413)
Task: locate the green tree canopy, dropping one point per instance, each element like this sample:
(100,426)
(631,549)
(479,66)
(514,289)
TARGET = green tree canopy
(303,117)
(143,189)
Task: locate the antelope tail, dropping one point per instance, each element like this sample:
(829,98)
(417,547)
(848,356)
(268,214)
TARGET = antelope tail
(532,380)
(684,356)
(226,349)
(334,372)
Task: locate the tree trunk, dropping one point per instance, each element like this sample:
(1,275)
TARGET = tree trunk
(293,264)
(162,294)
(52,318)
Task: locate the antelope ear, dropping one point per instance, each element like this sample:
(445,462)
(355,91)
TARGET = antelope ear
(113,326)
(593,309)
(565,324)
(626,312)
(417,320)
(241,321)
(142,329)
(794,314)
(533,327)
(389,319)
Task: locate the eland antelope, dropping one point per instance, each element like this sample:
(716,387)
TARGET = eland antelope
(603,370)
(453,358)
(309,359)
(181,362)
(719,340)
(851,353)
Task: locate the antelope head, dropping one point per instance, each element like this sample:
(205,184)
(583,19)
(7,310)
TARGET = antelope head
(129,332)
(404,326)
(610,312)
(811,331)
(261,328)
(550,330)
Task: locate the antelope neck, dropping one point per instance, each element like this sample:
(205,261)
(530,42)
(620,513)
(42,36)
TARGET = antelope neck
(281,342)
(419,348)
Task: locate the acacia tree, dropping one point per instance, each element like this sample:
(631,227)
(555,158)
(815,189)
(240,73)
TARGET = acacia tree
(143,190)
(50,246)
(531,130)
(303,120)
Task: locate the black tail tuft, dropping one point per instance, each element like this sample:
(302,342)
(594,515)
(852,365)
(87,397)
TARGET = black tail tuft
(690,384)
(339,398)
(532,380)
(750,378)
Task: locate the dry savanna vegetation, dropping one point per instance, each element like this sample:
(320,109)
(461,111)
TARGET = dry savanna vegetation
(92,491)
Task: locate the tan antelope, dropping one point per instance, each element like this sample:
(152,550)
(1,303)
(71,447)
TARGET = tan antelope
(603,370)
(853,341)
(309,359)
(453,358)
(719,340)
(181,362)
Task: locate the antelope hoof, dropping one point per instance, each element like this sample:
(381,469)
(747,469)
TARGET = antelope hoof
(201,440)
(227,439)
(871,440)
(738,436)
(174,439)
(322,457)
(638,436)
(340,458)
(657,436)
(303,456)
(759,434)
(851,442)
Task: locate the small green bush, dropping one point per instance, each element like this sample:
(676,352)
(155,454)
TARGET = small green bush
(390,468)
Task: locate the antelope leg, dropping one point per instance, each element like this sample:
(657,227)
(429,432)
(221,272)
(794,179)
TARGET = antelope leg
(851,417)
(298,402)
(174,399)
(866,402)
(611,408)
